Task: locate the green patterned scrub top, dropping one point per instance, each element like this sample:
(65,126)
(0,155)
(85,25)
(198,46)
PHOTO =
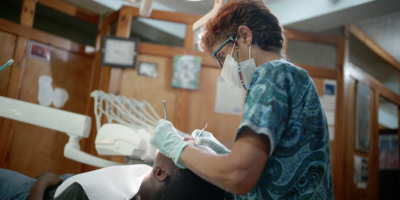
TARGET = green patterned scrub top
(282,103)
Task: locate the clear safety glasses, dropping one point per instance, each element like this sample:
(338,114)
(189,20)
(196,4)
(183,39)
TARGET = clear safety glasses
(214,55)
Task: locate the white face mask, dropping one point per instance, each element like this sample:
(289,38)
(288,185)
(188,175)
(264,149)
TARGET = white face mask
(230,71)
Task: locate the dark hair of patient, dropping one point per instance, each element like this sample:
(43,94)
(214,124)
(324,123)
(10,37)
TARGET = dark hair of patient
(190,186)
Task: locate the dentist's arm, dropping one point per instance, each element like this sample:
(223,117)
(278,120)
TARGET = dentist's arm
(237,172)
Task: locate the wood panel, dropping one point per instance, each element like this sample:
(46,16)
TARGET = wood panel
(170,51)
(370,43)
(43,37)
(318,71)
(99,81)
(14,85)
(27,12)
(202,109)
(34,149)
(372,190)
(7,47)
(367,79)
(311,37)
(189,39)
(153,90)
(337,150)
(71,10)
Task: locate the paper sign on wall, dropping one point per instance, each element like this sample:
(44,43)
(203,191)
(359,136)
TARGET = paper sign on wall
(229,100)
(328,102)
(361,171)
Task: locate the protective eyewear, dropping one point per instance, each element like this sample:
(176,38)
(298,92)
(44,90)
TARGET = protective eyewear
(214,55)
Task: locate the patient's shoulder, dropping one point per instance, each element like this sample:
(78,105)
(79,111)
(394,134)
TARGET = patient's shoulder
(74,191)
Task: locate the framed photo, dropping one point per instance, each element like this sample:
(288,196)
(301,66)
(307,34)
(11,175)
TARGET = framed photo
(39,51)
(363,115)
(186,72)
(148,69)
(119,52)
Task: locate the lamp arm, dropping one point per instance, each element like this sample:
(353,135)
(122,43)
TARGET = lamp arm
(73,151)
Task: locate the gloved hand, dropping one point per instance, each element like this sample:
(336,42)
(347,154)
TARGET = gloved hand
(167,139)
(207,139)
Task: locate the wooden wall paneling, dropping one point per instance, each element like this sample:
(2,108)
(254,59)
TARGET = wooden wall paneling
(7,47)
(122,29)
(318,71)
(372,190)
(202,109)
(370,43)
(14,86)
(182,117)
(43,37)
(184,96)
(311,37)
(153,90)
(367,79)
(351,190)
(350,138)
(188,43)
(375,142)
(170,51)
(71,10)
(27,12)
(99,81)
(13,90)
(35,149)
(337,150)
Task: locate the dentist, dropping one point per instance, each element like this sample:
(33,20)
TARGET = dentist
(281,148)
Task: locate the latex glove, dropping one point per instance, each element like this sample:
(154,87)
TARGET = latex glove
(167,139)
(207,139)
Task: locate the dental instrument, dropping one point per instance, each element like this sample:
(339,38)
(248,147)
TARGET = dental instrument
(129,127)
(195,139)
(165,111)
(11,61)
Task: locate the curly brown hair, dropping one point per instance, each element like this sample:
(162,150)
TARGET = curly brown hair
(265,27)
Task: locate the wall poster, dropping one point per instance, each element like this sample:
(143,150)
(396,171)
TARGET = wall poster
(362,117)
(186,72)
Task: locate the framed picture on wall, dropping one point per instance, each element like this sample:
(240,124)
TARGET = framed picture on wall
(148,69)
(363,115)
(119,52)
(186,72)
(39,51)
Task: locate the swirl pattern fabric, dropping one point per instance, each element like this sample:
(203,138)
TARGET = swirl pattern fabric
(282,103)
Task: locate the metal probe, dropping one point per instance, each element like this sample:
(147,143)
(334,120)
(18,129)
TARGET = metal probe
(165,111)
(201,132)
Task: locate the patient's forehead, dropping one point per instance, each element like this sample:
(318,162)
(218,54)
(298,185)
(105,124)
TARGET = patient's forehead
(161,159)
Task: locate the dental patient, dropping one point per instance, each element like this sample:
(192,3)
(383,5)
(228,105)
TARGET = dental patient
(138,182)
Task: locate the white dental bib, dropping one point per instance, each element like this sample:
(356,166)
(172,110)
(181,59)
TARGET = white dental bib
(117,182)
